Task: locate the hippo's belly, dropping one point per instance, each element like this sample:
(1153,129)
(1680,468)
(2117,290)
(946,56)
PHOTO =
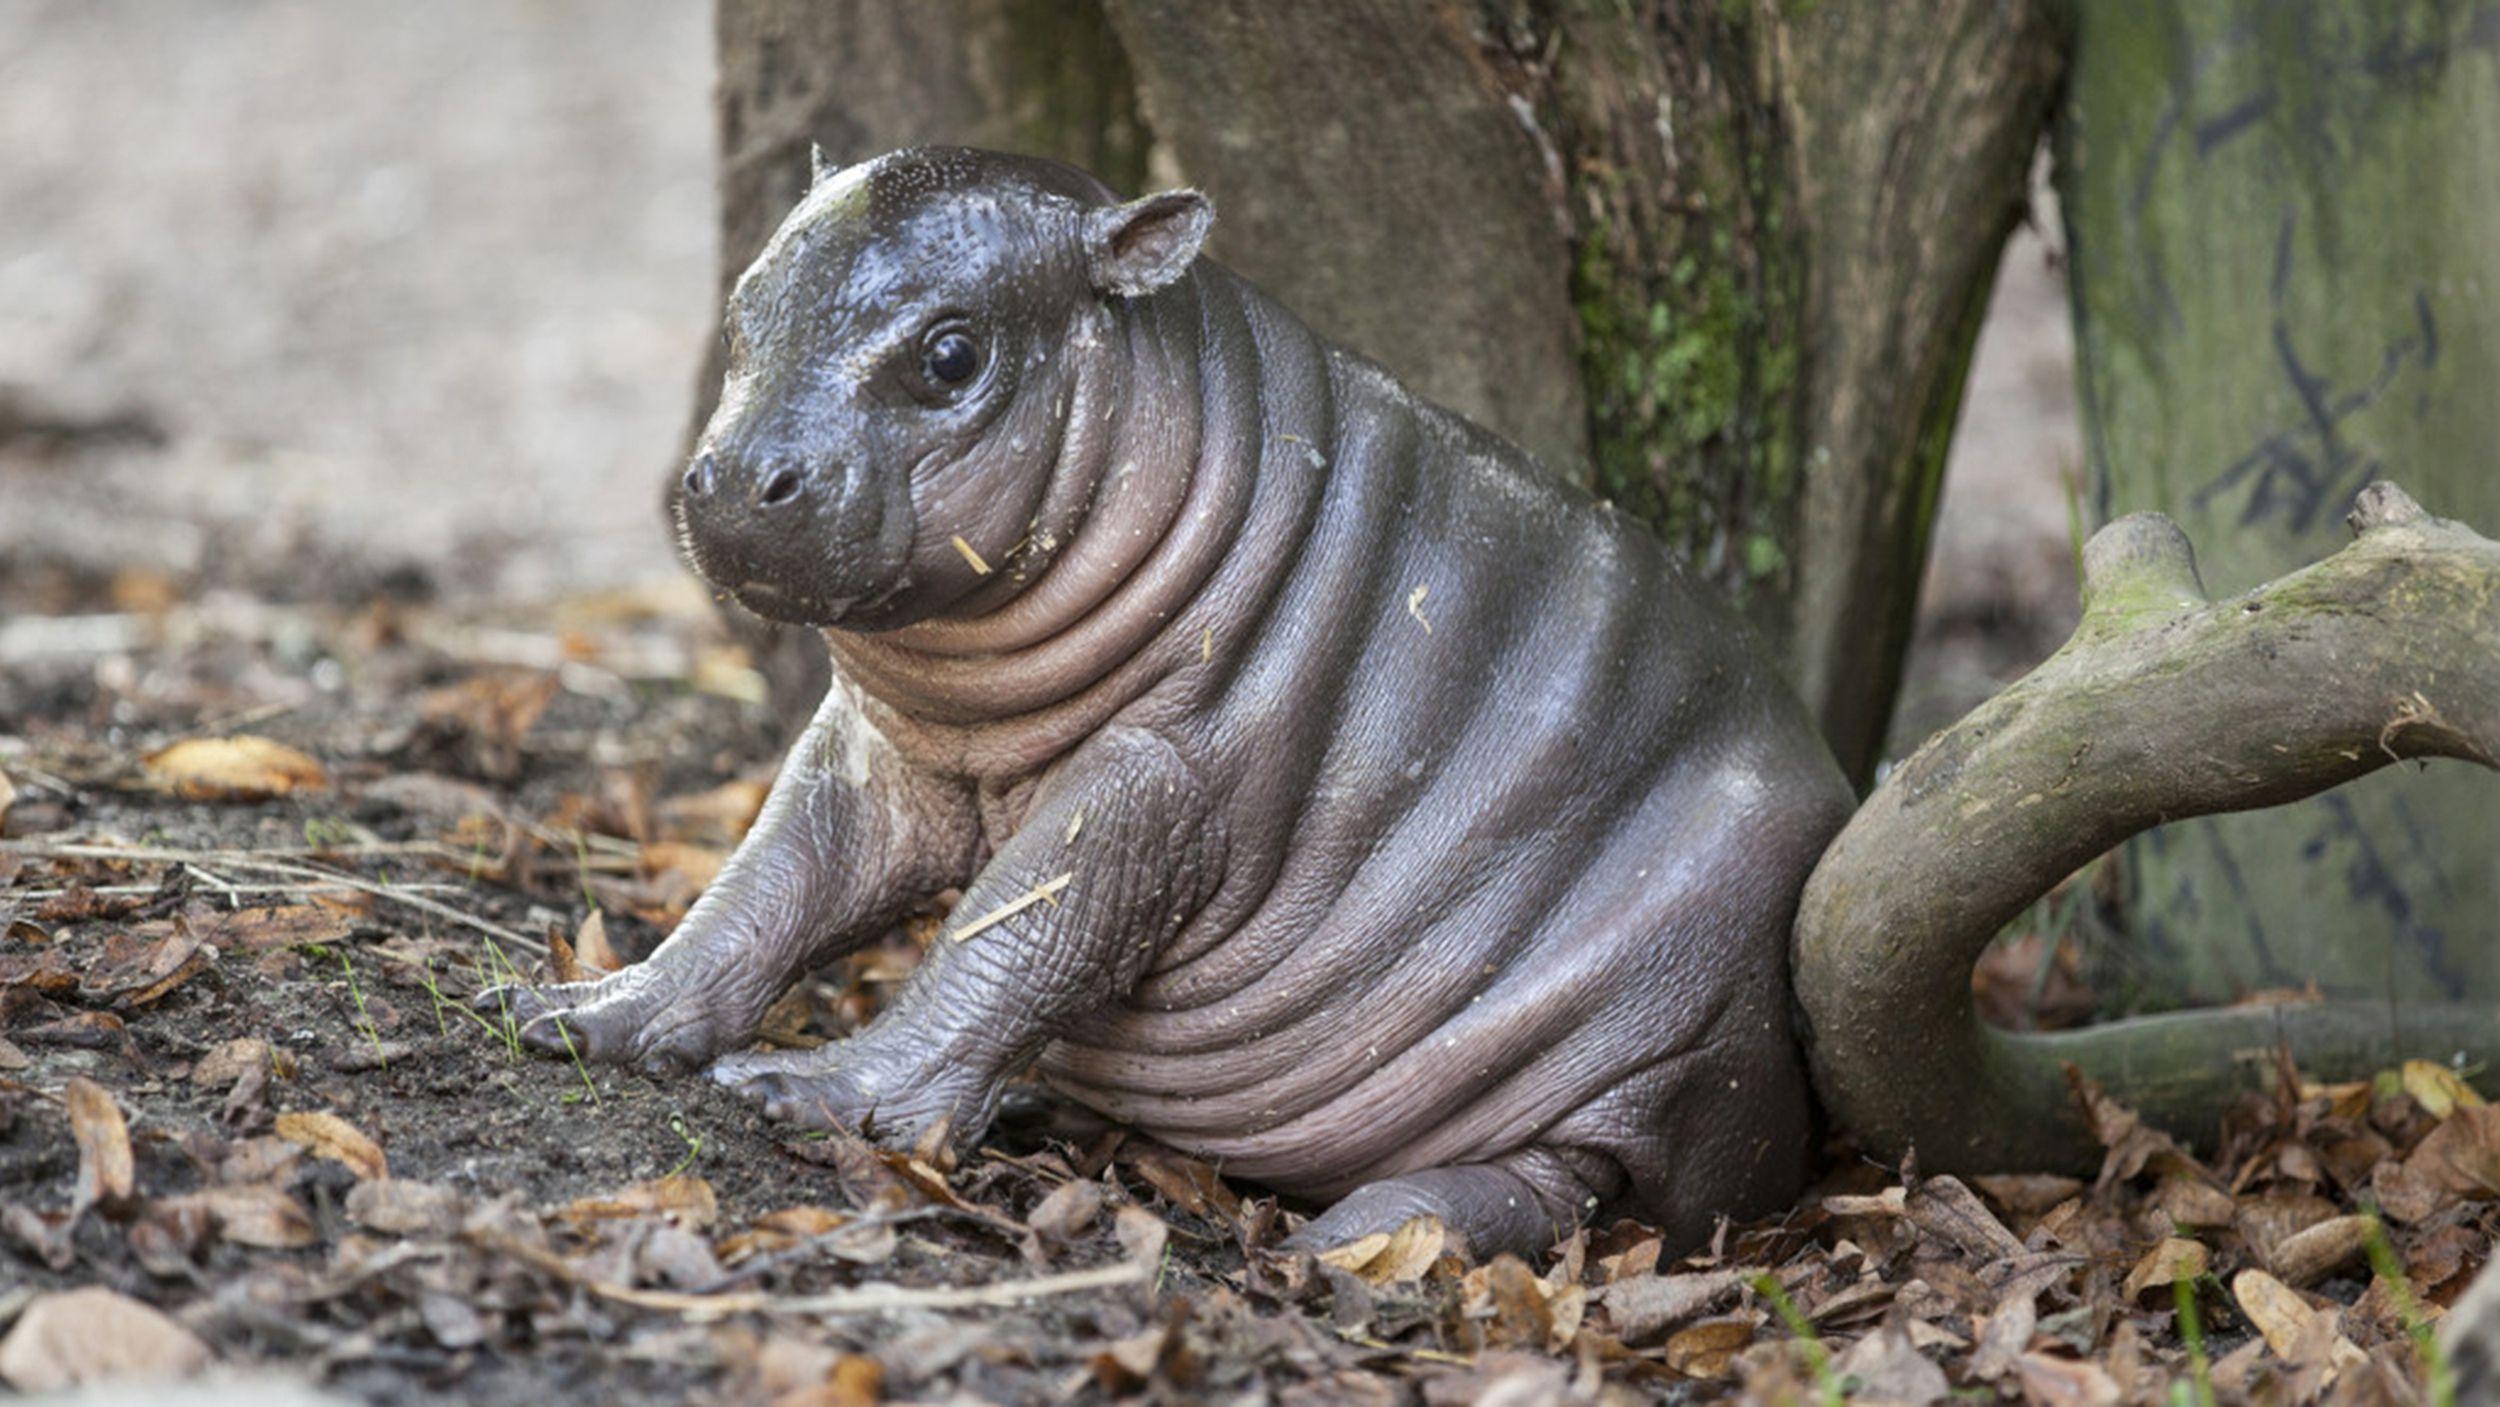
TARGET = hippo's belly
(1484,971)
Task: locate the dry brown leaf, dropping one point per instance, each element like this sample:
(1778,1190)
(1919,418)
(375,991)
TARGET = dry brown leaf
(1392,1257)
(1888,1368)
(280,926)
(133,973)
(240,768)
(2439,1090)
(2004,1336)
(2308,1256)
(2192,1201)
(252,1214)
(691,866)
(486,715)
(598,956)
(106,1171)
(8,798)
(720,816)
(72,1338)
(1944,1208)
(1187,1183)
(1704,1350)
(1643,1306)
(2065,1382)
(400,1207)
(683,1196)
(11,1058)
(2166,1264)
(221,1067)
(2282,1316)
(1068,1212)
(2405,1195)
(1142,1234)
(2462,1155)
(329,1136)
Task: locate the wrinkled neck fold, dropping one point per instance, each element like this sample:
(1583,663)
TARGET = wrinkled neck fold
(1154,478)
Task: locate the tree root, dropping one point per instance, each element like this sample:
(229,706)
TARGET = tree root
(2162,706)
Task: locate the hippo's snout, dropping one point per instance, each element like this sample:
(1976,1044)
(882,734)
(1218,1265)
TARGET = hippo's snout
(725,492)
(792,539)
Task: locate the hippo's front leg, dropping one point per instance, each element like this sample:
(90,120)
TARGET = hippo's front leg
(1114,856)
(849,840)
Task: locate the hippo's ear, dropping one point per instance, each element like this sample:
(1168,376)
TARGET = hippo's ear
(1137,248)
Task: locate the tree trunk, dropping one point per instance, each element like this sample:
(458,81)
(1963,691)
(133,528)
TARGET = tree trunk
(1724,263)
(2281,216)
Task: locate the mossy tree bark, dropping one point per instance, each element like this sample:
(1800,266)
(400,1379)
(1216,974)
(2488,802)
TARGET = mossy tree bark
(1724,263)
(2281,217)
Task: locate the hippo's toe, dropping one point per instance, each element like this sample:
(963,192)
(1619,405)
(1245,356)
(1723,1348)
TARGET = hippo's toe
(1489,1207)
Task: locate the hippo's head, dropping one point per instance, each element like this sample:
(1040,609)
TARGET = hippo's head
(903,357)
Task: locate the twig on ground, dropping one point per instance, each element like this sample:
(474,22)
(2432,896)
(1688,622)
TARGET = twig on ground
(865,1299)
(254,861)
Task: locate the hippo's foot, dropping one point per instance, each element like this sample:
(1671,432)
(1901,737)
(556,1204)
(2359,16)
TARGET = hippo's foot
(852,1085)
(639,1016)
(1488,1206)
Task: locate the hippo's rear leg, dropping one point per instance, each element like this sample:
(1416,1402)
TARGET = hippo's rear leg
(1521,1204)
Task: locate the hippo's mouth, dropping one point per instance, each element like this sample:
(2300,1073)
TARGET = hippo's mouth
(779,603)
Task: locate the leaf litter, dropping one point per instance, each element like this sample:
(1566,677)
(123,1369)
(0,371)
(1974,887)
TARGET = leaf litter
(248,1120)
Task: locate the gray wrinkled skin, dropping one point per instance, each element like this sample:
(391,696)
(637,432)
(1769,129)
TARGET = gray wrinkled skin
(1430,836)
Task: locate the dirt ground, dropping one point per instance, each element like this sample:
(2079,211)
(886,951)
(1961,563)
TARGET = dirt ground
(252,864)
(342,349)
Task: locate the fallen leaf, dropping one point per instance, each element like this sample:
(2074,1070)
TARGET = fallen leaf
(84,1030)
(2308,1256)
(106,1171)
(11,1058)
(482,719)
(72,1338)
(279,926)
(1704,1350)
(1643,1306)
(1944,1208)
(597,955)
(398,1206)
(133,974)
(674,863)
(1068,1212)
(2002,1339)
(2439,1090)
(1518,1310)
(2166,1264)
(2065,1382)
(1142,1234)
(1392,1257)
(720,816)
(1187,1183)
(329,1136)
(1887,1367)
(2462,1155)
(253,1214)
(684,1196)
(8,798)
(240,768)
(2283,1317)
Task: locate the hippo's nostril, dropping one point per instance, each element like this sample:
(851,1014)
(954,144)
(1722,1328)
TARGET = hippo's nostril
(780,488)
(699,476)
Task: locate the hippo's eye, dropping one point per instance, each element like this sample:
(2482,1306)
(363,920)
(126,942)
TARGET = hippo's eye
(950,358)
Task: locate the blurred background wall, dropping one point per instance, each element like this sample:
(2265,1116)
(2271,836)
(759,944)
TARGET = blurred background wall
(315,298)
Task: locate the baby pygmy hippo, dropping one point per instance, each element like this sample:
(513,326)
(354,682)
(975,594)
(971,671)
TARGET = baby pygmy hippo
(1334,793)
